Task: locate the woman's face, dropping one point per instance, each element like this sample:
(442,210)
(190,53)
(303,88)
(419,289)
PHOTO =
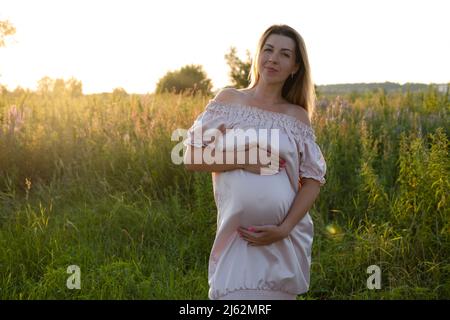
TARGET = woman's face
(277,59)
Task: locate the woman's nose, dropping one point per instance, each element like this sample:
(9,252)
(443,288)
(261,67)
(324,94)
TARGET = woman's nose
(273,59)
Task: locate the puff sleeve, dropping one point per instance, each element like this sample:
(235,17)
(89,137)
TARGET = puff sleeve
(207,129)
(312,162)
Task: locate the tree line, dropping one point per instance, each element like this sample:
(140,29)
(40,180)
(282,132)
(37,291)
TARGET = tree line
(193,79)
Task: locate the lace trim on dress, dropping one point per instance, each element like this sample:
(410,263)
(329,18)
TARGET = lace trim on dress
(319,178)
(258,117)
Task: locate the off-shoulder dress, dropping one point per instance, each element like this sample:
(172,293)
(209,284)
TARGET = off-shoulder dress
(280,270)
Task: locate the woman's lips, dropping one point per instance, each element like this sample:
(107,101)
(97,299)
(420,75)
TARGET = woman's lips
(271,70)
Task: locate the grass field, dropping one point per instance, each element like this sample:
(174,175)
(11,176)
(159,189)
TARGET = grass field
(89,181)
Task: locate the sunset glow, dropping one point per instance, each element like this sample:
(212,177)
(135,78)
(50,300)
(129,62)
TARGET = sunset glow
(131,44)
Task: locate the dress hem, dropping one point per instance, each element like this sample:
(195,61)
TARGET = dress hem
(257,294)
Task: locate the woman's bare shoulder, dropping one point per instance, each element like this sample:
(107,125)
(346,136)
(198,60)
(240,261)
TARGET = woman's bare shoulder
(299,113)
(233,96)
(227,95)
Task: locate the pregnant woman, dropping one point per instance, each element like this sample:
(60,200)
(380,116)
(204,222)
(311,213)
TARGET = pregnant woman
(262,248)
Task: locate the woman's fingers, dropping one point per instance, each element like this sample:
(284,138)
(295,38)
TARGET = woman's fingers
(254,238)
(258,168)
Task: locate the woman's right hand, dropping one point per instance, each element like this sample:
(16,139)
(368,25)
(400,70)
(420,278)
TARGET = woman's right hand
(258,166)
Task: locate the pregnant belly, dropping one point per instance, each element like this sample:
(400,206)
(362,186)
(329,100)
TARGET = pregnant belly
(252,199)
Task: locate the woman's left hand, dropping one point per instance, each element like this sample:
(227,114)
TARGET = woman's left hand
(262,235)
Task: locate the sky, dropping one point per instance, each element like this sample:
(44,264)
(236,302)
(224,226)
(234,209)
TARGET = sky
(133,43)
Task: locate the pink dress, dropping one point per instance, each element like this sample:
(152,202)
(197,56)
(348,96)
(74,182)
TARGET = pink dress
(280,270)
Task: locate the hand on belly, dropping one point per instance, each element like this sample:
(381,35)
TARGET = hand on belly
(262,235)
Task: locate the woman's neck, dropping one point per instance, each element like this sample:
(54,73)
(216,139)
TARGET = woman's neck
(267,94)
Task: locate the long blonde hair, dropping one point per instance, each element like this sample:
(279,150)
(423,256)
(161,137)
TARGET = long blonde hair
(298,90)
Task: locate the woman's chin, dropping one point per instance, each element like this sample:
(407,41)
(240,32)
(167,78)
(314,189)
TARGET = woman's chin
(270,79)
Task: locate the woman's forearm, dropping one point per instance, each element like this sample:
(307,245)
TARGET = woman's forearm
(229,160)
(303,201)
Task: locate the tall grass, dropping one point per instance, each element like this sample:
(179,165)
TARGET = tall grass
(89,181)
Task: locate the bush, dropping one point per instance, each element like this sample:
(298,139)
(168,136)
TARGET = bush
(190,78)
